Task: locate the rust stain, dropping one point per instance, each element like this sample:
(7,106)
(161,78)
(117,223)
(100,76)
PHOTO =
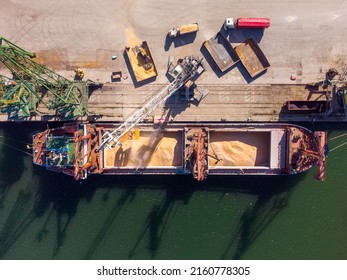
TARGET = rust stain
(91,64)
(53,59)
(58,59)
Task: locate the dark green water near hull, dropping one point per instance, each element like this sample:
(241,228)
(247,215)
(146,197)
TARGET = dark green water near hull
(45,215)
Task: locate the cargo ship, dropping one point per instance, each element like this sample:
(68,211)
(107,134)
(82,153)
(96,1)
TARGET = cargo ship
(172,149)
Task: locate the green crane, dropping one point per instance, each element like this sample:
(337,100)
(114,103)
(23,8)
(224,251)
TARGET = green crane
(34,85)
(17,98)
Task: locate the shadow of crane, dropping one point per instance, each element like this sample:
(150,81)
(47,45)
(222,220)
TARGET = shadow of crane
(10,157)
(126,197)
(19,219)
(158,218)
(60,196)
(46,194)
(254,220)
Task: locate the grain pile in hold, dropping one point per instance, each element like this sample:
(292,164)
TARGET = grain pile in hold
(148,151)
(233,153)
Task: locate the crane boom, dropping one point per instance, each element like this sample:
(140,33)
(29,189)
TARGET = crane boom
(187,69)
(68,98)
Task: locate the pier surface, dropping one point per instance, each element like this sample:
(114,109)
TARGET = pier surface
(304,40)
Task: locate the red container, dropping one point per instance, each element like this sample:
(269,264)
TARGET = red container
(252,23)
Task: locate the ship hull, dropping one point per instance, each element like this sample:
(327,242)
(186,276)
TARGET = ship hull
(172,149)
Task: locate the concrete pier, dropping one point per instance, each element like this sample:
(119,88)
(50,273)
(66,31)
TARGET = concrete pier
(304,40)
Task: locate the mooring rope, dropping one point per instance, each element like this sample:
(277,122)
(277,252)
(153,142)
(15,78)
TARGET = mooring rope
(15,148)
(337,147)
(12,139)
(336,137)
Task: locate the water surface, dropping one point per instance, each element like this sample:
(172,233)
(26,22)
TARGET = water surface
(45,215)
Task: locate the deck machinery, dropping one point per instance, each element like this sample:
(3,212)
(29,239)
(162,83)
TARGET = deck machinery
(33,84)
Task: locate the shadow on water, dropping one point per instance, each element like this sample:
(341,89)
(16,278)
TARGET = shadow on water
(19,219)
(44,192)
(11,156)
(177,191)
(272,196)
(126,197)
(60,195)
(56,197)
(14,140)
(158,216)
(40,193)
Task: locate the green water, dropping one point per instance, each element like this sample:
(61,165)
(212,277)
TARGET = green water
(48,216)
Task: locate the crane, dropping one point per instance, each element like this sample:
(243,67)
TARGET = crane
(42,86)
(16,97)
(187,69)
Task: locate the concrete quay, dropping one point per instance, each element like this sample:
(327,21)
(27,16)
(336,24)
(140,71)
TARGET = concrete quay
(304,40)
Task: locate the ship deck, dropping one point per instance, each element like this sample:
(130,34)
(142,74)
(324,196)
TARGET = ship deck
(229,147)
(213,148)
